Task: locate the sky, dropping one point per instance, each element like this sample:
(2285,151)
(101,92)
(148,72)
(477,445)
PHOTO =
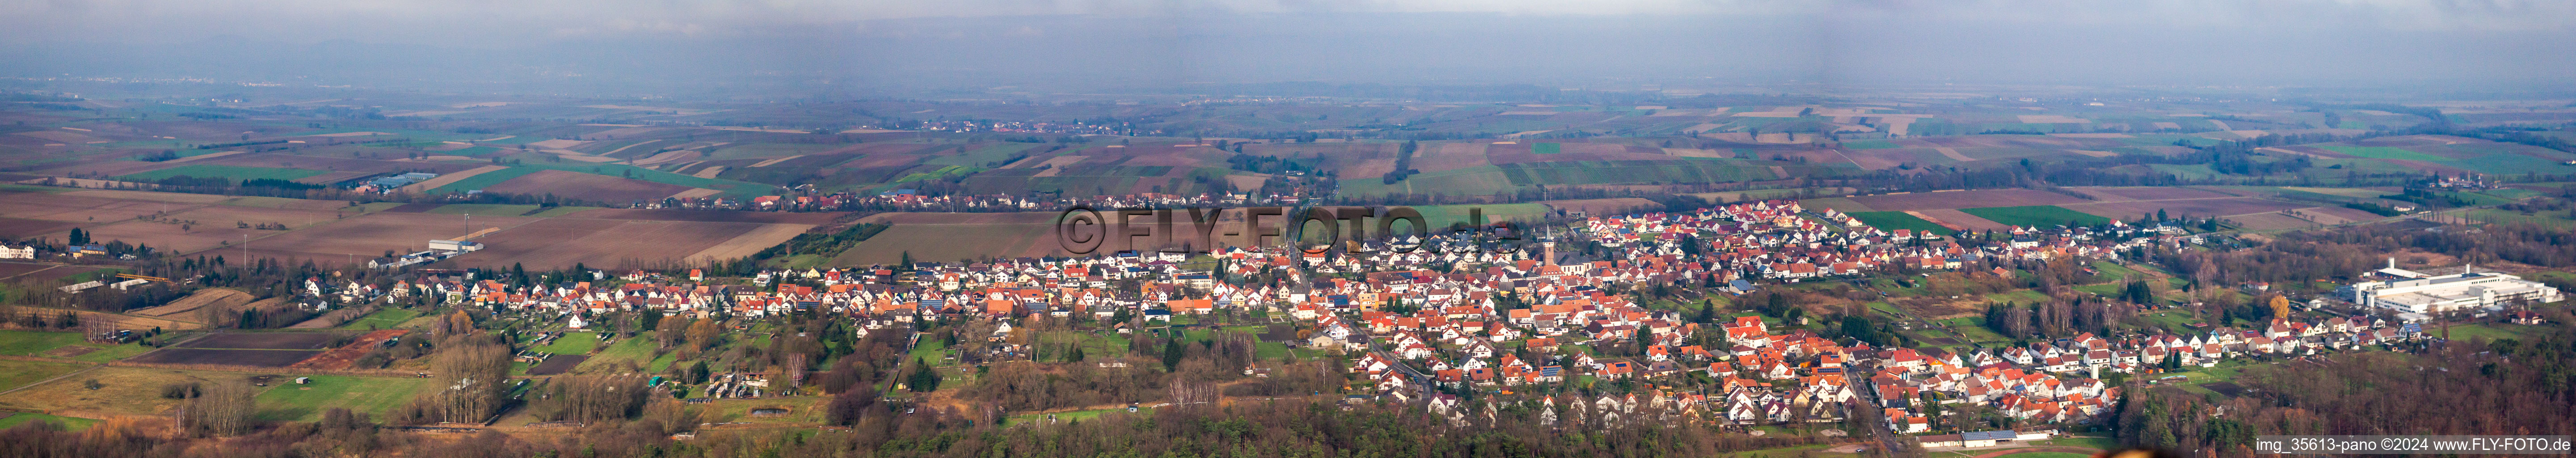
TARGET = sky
(1115,45)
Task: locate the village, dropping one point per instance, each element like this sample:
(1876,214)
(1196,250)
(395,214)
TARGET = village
(1567,325)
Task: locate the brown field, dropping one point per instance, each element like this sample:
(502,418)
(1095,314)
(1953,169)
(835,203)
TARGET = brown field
(149,196)
(341,358)
(79,209)
(215,297)
(2270,221)
(577,185)
(710,216)
(334,206)
(2158,193)
(225,357)
(443,180)
(1954,217)
(268,340)
(1597,207)
(13,269)
(2345,213)
(627,243)
(335,164)
(372,234)
(1964,199)
(18,228)
(955,236)
(757,239)
(522,240)
(2200,207)
(124,391)
(1449,156)
(214,226)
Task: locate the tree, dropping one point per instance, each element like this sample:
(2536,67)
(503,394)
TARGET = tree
(1172,354)
(223,409)
(2280,307)
(703,333)
(473,374)
(923,379)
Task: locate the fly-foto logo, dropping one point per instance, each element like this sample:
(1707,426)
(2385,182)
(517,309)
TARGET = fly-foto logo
(1083,230)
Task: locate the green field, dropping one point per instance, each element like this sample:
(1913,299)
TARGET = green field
(487,179)
(69,423)
(638,349)
(31,343)
(229,172)
(288,401)
(2508,216)
(2036,215)
(15,374)
(2383,152)
(572,343)
(1870,144)
(1897,220)
(1040,418)
(1547,148)
(382,319)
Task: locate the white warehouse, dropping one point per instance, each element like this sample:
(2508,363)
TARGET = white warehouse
(2410,291)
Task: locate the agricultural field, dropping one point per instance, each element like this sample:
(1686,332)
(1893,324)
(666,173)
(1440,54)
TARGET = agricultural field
(18,373)
(286,400)
(228,172)
(1891,221)
(1957,200)
(122,391)
(2036,216)
(383,319)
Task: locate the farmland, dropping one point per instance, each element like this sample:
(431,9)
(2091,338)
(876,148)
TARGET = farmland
(2036,216)
(1898,220)
(229,172)
(289,401)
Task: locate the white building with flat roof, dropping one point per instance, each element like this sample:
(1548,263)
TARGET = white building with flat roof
(2469,290)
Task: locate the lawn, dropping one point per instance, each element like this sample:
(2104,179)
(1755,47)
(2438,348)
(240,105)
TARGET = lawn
(106,353)
(33,343)
(288,401)
(2112,270)
(382,319)
(2465,332)
(229,172)
(1041,418)
(1897,220)
(2383,152)
(69,423)
(572,343)
(638,349)
(2024,297)
(2036,215)
(15,373)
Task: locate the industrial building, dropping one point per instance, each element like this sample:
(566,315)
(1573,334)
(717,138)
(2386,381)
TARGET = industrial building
(2417,292)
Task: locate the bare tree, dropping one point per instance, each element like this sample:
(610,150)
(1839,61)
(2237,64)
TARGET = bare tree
(224,408)
(475,374)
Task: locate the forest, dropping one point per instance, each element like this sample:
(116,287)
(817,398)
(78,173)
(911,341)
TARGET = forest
(2502,386)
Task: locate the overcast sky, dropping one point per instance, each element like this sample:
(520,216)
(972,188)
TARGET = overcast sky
(915,43)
